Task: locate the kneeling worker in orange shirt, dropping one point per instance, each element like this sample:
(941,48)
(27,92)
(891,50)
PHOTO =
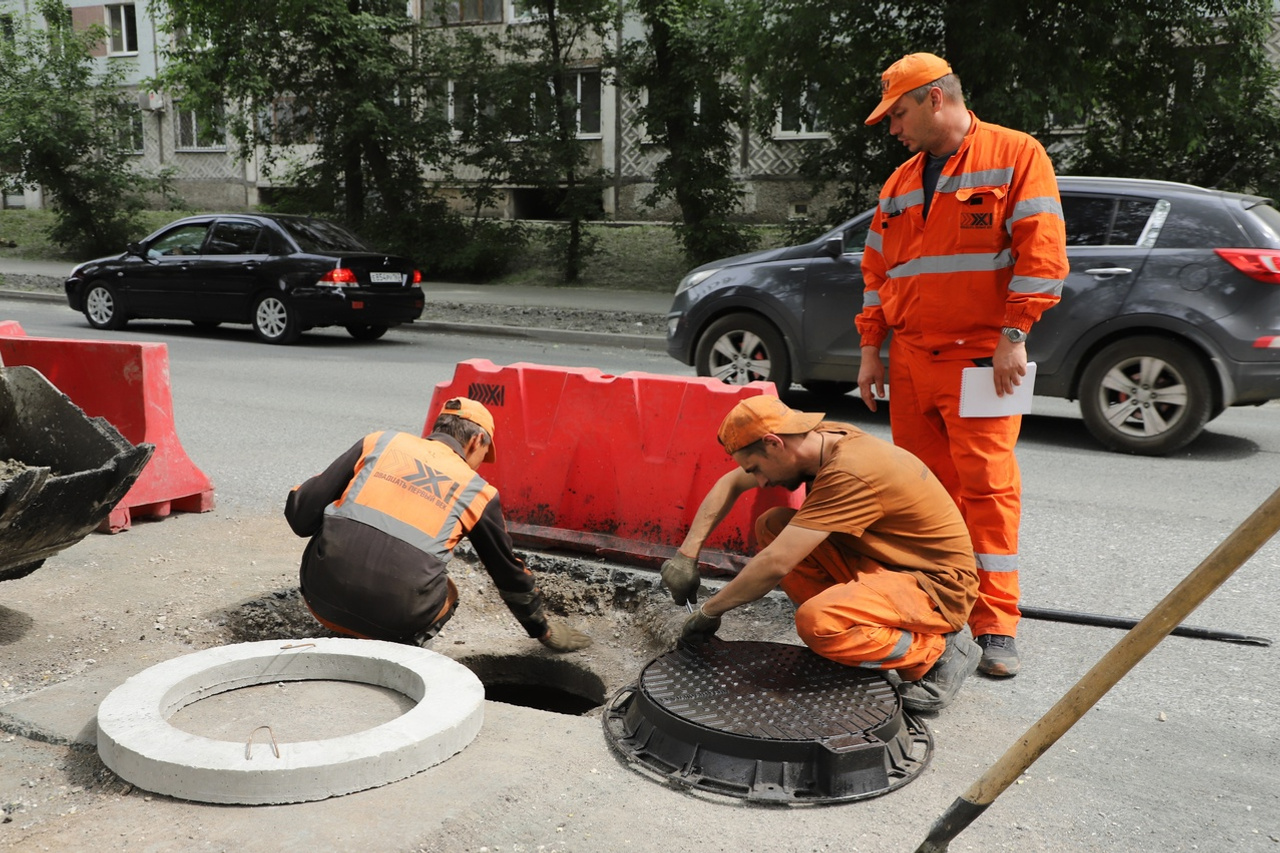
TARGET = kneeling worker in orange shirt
(877,559)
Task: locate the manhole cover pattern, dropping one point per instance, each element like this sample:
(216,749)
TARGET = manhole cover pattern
(770,691)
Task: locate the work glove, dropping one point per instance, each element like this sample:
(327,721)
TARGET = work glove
(699,628)
(561,638)
(680,574)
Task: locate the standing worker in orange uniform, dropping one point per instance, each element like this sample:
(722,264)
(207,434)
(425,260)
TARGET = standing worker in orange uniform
(966,251)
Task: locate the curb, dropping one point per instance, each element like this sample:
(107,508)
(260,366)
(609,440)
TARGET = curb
(561,336)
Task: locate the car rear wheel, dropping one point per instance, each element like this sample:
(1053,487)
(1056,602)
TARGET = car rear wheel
(274,322)
(366,332)
(102,307)
(742,348)
(1145,395)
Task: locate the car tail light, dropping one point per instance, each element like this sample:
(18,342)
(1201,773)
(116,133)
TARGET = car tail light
(417,276)
(1260,264)
(341,276)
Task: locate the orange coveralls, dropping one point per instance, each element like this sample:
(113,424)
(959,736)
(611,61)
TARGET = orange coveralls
(991,254)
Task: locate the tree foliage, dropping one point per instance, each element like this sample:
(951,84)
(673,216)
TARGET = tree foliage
(690,67)
(517,111)
(351,81)
(1177,89)
(61,125)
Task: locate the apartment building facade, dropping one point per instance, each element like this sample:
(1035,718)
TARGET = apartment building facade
(208,175)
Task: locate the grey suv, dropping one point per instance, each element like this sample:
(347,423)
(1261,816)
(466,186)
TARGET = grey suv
(1171,311)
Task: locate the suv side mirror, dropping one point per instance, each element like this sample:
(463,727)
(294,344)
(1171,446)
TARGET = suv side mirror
(832,247)
(136,249)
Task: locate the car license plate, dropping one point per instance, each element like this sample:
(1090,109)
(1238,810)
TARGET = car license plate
(385,277)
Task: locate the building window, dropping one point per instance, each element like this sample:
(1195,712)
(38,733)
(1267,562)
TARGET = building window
(584,86)
(122,28)
(199,132)
(130,132)
(461,104)
(800,114)
(453,12)
(521,11)
(284,122)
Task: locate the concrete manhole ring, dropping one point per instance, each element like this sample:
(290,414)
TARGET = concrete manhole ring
(136,740)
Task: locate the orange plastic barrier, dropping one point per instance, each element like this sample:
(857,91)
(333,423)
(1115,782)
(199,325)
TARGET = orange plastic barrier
(614,464)
(126,384)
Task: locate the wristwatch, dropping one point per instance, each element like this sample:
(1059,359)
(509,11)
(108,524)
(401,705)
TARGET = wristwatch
(1016,336)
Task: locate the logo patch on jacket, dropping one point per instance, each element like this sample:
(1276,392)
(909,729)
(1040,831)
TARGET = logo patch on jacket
(975,220)
(429,479)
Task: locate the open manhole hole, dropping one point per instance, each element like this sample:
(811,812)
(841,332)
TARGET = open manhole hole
(767,722)
(547,684)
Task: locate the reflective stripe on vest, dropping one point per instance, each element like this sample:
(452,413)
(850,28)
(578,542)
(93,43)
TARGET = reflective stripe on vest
(420,492)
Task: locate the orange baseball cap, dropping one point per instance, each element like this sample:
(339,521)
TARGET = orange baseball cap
(465,407)
(910,72)
(755,417)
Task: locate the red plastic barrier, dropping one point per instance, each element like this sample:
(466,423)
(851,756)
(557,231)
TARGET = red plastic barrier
(11,328)
(127,384)
(617,458)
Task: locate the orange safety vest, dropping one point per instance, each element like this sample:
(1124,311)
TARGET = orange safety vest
(991,254)
(416,490)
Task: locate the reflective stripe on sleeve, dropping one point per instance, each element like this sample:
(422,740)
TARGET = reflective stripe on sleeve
(997,562)
(1031,284)
(1032,206)
(873,240)
(965,262)
(871,297)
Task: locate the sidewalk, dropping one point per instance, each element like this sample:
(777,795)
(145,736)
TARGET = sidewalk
(582,299)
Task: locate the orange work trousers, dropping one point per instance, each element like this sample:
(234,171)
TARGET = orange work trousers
(974,459)
(855,611)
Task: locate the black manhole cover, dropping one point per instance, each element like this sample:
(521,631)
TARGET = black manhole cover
(767,722)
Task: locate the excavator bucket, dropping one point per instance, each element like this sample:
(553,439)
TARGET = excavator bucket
(61,471)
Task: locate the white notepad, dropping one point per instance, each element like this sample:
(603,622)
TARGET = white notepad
(978,393)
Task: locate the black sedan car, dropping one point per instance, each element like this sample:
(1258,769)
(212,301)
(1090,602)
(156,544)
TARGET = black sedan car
(280,274)
(1170,313)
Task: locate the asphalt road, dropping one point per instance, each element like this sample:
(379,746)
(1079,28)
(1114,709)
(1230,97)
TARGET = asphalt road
(1182,755)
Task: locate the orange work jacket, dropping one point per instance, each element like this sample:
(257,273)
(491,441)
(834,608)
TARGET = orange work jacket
(991,254)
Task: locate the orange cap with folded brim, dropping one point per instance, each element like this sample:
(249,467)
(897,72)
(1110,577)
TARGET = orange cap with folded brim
(755,417)
(465,407)
(910,72)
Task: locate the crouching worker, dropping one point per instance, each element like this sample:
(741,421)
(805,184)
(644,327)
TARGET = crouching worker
(384,519)
(877,559)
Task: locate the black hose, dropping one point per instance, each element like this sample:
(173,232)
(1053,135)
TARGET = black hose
(1101,621)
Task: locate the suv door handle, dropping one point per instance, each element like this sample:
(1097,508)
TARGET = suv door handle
(1108,272)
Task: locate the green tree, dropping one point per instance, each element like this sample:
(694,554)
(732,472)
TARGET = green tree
(686,64)
(350,81)
(522,98)
(1178,90)
(62,121)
